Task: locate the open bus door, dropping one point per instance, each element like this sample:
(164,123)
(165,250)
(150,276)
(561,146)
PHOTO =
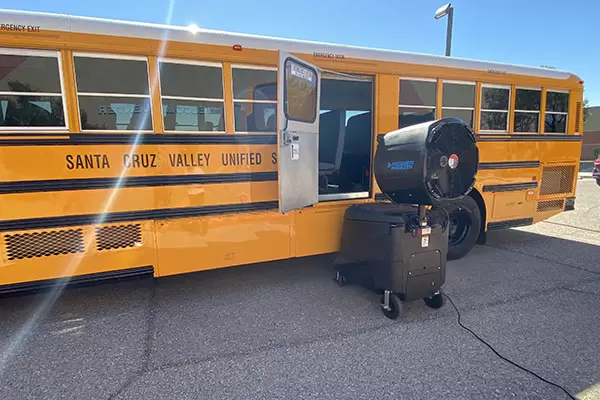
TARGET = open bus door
(298,133)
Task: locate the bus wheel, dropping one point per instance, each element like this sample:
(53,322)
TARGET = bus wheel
(464,225)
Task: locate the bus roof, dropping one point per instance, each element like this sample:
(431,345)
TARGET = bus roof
(69,23)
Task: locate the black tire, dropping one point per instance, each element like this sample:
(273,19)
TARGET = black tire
(395,307)
(598,182)
(435,301)
(465,224)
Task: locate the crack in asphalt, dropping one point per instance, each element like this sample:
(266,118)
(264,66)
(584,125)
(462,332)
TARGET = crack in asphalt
(148,339)
(559,263)
(582,291)
(571,226)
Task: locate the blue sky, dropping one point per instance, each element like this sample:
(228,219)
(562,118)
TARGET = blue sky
(530,32)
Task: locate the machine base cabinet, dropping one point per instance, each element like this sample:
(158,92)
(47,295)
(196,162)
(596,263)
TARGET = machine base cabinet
(389,249)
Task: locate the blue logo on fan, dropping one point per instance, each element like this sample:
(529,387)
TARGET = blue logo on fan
(400,165)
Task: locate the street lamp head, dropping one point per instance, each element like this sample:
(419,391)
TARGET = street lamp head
(442,11)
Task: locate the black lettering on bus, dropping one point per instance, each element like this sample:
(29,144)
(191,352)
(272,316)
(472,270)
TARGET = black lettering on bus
(235,159)
(145,160)
(69,159)
(126,160)
(153,160)
(135,161)
(188,160)
(273,158)
(89,161)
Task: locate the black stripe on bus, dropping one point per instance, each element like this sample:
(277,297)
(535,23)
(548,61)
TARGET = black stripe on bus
(511,223)
(127,216)
(82,139)
(509,165)
(132,181)
(519,138)
(529,138)
(510,187)
(76,281)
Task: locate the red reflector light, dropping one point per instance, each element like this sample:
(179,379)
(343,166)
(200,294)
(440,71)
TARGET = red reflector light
(581,82)
(237,47)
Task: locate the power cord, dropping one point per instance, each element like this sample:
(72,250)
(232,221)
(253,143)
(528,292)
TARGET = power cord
(501,356)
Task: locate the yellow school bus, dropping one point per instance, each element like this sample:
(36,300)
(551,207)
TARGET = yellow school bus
(131,148)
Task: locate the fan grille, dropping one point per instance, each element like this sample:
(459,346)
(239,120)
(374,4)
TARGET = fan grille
(444,179)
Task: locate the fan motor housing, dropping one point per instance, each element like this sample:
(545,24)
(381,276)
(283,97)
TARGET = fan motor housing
(432,163)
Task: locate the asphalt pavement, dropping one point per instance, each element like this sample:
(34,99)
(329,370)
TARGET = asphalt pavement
(285,330)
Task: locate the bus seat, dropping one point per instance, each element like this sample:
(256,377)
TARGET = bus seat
(272,124)
(170,117)
(358,134)
(97,114)
(332,133)
(356,158)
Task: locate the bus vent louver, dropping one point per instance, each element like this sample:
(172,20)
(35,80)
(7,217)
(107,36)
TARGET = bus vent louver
(557,179)
(551,205)
(118,237)
(44,244)
(578,117)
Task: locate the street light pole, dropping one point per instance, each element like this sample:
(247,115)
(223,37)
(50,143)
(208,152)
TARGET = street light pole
(449,31)
(442,12)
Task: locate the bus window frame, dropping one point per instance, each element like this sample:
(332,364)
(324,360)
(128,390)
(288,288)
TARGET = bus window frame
(546,112)
(539,112)
(113,56)
(39,53)
(481,109)
(234,100)
(466,83)
(197,63)
(420,79)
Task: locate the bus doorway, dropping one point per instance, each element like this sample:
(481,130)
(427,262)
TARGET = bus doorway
(345,137)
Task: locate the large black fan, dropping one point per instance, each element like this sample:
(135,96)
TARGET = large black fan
(430,163)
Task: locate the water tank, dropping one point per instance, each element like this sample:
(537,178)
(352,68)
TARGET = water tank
(432,163)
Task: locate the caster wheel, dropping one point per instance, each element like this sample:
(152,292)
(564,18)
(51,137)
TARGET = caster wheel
(436,301)
(340,279)
(395,307)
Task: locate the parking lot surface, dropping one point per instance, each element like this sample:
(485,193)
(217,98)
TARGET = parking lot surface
(285,330)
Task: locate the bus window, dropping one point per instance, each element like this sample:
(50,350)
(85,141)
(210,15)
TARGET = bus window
(417,101)
(192,96)
(458,101)
(345,137)
(557,107)
(527,110)
(494,108)
(113,93)
(255,99)
(30,90)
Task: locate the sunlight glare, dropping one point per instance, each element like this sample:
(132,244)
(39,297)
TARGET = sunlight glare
(18,340)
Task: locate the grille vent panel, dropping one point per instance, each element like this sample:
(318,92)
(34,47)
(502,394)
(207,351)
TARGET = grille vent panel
(44,244)
(550,205)
(118,237)
(557,179)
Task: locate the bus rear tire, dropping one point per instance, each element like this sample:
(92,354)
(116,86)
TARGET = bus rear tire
(464,225)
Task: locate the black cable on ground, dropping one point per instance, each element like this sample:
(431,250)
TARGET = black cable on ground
(501,356)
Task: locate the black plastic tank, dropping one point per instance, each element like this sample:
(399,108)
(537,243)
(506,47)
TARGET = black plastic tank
(432,163)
